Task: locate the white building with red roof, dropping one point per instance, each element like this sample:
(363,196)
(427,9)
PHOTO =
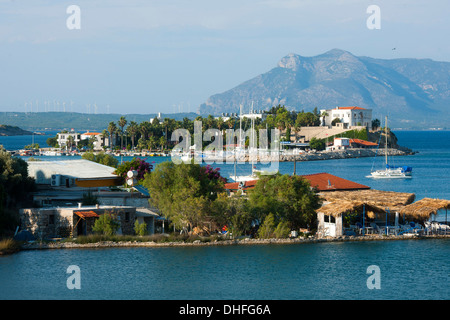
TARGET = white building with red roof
(348,116)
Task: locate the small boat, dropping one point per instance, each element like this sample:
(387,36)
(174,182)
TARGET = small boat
(390,172)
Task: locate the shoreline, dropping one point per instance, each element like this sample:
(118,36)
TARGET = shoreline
(245,241)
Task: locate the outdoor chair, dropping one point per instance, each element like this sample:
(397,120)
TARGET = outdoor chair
(376,228)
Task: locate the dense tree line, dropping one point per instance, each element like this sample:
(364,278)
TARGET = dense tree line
(193,196)
(15,186)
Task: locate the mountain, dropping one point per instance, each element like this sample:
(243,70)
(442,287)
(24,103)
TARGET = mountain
(412,92)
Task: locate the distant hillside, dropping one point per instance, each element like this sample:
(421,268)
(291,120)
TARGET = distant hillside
(54,121)
(6,130)
(414,93)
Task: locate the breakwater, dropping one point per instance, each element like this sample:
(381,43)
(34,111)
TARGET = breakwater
(342,154)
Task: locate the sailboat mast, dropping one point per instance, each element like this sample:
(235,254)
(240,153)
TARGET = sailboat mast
(385,147)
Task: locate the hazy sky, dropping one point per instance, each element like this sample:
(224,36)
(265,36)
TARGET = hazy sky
(170,56)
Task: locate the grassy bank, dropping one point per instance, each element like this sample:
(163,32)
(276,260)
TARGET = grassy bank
(8,246)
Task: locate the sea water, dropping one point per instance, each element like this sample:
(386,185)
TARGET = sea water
(408,269)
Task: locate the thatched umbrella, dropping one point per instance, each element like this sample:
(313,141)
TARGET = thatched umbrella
(390,199)
(424,208)
(340,207)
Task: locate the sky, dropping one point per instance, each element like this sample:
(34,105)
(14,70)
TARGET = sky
(136,56)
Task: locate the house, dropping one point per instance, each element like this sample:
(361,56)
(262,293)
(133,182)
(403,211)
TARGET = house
(99,141)
(348,117)
(58,222)
(339,144)
(323,182)
(63,138)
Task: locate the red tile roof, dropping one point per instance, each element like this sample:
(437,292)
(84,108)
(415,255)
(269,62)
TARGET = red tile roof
(363,142)
(351,108)
(328,182)
(91,133)
(322,181)
(235,185)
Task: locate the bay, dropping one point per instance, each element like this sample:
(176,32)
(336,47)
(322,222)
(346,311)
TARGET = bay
(409,269)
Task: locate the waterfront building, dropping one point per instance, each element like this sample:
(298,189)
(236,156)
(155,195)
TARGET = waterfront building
(348,117)
(367,211)
(63,222)
(63,138)
(70,173)
(99,141)
(339,144)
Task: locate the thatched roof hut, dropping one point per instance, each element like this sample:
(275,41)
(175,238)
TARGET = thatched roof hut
(381,199)
(345,206)
(424,208)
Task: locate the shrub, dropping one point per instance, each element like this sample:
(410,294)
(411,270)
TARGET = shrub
(267,228)
(106,224)
(140,228)
(282,230)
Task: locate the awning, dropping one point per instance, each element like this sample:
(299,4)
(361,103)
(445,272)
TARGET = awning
(86,214)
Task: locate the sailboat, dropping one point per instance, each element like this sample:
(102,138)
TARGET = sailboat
(252,150)
(390,172)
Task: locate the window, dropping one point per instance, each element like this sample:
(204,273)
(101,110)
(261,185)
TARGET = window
(127,216)
(51,219)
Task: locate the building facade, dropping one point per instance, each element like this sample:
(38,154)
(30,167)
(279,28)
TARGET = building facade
(348,117)
(57,222)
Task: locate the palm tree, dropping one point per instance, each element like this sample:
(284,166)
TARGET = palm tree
(122,123)
(105,134)
(112,129)
(132,130)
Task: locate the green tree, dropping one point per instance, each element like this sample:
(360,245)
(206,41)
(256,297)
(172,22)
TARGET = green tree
(122,123)
(102,158)
(107,224)
(268,227)
(15,185)
(52,142)
(289,198)
(132,129)
(112,129)
(316,144)
(140,228)
(282,230)
(183,192)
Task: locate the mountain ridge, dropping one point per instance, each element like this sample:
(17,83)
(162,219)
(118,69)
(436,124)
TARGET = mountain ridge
(411,91)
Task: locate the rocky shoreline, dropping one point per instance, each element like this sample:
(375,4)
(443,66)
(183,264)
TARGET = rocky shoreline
(246,241)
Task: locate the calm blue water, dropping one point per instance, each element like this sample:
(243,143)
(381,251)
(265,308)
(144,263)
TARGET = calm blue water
(409,269)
